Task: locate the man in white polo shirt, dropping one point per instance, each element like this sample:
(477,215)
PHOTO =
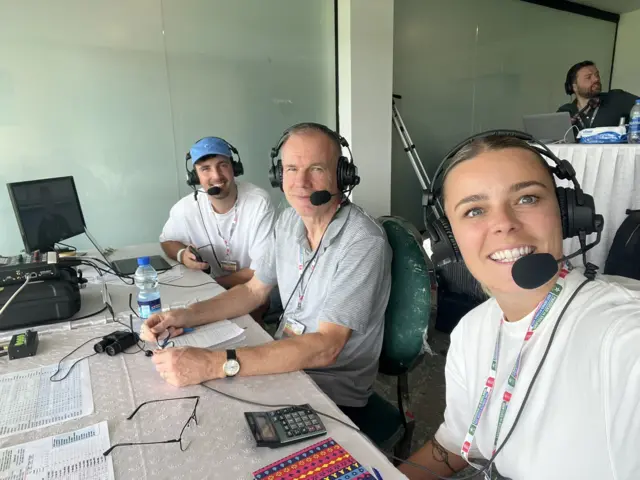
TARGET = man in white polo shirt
(227,222)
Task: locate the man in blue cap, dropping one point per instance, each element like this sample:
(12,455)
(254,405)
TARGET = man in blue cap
(227,222)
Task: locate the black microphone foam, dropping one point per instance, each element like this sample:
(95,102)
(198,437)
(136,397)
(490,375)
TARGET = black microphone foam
(213,191)
(534,270)
(320,197)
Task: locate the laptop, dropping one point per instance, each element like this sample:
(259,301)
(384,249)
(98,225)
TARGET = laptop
(128,266)
(550,127)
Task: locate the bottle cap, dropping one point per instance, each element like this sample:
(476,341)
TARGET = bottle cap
(143,261)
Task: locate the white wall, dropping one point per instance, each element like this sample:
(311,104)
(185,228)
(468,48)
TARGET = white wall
(365,43)
(626,68)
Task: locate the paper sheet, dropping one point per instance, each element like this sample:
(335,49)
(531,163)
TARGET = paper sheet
(30,400)
(210,335)
(73,456)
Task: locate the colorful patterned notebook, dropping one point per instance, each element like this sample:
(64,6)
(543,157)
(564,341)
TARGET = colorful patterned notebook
(325,460)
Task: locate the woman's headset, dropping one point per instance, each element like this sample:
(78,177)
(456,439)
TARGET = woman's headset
(347,173)
(192,175)
(577,209)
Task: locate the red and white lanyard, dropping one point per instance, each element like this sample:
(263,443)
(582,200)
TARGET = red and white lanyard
(312,267)
(541,312)
(227,243)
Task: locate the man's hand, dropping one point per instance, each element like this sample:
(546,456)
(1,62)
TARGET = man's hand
(189,261)
(184,366)
(173,321)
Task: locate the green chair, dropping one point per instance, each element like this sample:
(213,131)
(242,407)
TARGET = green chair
(410,313)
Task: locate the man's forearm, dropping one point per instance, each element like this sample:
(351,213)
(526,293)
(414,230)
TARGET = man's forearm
(171,248)
(437,459)
(312,350)
(233,303)
(235,278)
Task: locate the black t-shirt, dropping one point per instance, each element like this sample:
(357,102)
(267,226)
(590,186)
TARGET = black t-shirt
(613,105)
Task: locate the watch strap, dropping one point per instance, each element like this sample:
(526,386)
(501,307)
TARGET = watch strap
(179,255)
(231,354)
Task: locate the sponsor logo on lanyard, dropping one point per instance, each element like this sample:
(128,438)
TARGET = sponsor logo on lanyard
(540,314)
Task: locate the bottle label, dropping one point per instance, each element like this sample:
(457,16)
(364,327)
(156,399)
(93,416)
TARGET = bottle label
(146,309)
(634,124)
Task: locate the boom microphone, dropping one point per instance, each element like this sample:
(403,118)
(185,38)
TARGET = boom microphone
(213,191)
(321,197)
(535,270)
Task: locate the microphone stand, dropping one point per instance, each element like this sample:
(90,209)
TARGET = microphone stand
(414,158)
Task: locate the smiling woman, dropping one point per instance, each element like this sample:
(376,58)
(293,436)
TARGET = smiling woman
(528,366)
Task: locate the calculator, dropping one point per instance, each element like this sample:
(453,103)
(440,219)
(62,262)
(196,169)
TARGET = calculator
(285,426)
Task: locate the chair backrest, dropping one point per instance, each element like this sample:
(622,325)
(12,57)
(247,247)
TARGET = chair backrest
(412,306)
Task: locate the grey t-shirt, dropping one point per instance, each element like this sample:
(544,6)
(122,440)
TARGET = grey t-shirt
(349,285)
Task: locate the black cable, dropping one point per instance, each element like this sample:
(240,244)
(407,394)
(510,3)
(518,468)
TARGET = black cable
(90,314)
(74,364)
(206,230)
(251,402)
(73,249)
(186,286)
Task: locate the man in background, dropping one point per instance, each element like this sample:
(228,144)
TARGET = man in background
(591,107)
(229,223)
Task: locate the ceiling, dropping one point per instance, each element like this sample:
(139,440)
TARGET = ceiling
(614,6)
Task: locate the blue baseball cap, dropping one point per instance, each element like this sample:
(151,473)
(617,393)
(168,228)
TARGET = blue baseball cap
(208,146)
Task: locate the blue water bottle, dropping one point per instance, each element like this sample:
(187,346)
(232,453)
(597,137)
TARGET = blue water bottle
(146,279)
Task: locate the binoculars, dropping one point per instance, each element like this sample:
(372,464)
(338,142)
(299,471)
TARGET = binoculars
(115,343)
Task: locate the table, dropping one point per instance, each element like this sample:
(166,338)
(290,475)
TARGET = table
(611,174)
(221,446)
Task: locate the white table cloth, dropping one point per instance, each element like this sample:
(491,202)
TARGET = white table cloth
(221,445)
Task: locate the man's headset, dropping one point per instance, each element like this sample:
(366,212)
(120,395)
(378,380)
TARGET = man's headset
(347,171)
(577,209)
(192,175)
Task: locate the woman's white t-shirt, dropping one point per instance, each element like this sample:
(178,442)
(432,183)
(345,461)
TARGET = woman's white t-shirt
(582,418)
(255,221)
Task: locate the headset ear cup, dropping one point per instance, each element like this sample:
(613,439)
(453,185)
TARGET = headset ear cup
(192,178)
(446,249)
(347,174)
(562,194)
(275,175)
(238,168)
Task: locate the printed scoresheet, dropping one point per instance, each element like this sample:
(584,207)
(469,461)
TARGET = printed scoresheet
(74,455)
(30,400)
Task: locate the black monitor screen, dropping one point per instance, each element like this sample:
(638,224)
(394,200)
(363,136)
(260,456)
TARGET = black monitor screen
(48,211)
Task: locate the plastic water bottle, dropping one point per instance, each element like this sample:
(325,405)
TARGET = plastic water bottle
(146,279)
(634,123)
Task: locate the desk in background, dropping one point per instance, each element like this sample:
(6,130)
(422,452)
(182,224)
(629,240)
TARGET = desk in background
(221,445)
(611,174)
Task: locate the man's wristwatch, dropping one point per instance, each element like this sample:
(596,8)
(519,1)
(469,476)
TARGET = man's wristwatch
(231,367)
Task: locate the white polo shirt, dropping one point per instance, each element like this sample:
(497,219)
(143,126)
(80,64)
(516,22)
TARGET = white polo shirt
(240,235)
(582,418)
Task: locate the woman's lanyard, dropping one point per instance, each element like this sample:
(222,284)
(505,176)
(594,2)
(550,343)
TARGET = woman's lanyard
(302,290)
(227,243)
(540,314)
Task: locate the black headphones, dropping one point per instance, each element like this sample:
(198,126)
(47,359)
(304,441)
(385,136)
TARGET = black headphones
(192,175)
(347,172)
(577,209)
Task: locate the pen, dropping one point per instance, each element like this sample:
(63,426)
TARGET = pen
(376,473)
(188,330)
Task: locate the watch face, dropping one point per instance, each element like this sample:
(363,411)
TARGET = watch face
(231,368)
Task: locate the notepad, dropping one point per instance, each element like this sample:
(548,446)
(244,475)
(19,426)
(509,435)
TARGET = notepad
(210,335)
(320,461)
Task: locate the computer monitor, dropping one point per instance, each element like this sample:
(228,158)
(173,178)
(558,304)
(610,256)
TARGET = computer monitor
(47,210)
